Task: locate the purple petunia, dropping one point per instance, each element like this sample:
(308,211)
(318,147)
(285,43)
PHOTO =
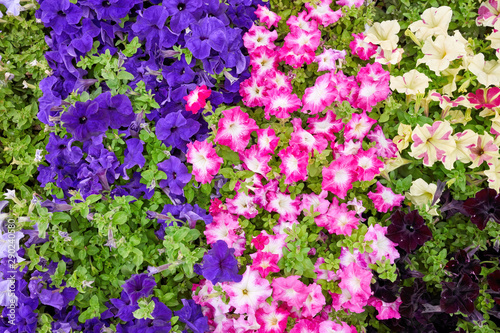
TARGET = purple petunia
(219,264)
(85,121)
(59,14)
(192,316)
(207,34)
(177,175)
(182,13)
(175,130)
(138,286)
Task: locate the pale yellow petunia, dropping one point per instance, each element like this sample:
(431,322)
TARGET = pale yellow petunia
(487,72)
(440,52)
(422,194)
(403,139)
(410,83)
(384,34)
(435,22)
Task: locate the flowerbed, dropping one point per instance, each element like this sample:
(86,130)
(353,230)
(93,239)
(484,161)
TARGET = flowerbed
(239,166)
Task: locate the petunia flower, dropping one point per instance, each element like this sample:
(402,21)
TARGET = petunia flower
(60,15)
(484,149)
(191,314)
(321,95)
(290,290)
(256,160)
(433,143)
(294,163)
(175,130)
(207,34)
(301,21)
(338,219)
(264,262)
(408,230)
(322,13)
(487,72)
(223,227)
(267,140)
(384,199)
(182,13)
(196,100)
(350,3)
(364,50)
(384,147)
(459,296)
(339,176)
(485,206)
(219,264)
(368,165)
(435,22)
(421,193)
(150,25)
(280,104)
(138,286)
(247,295)
(386,310)
(259,36)
(85,121)
(488,13)
(263,60)
(358,127)
(271,318)
(234,129)
(384,34)
(411,83)
(440,52)
(326,126)
(327,61)
(485,98)
(268,17)
(177,175)
(382,246)
(204,159)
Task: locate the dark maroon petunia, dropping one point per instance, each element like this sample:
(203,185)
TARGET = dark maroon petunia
(494,280)
(485,206)
(408,230)
(459,296)
(462,264)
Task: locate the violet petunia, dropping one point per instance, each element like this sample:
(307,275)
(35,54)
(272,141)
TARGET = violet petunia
(58,14)
(177,175)
(84,121)
(175,130)
(133,154)
(192,316)
(219,264)
(138,286)
(151,27)
(208,33)
(183,13)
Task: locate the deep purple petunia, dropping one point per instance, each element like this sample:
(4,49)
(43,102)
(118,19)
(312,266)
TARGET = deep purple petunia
(459,296)
(151,27)
(175,130)
(61,147)
(463,264)
(125,307)
(58,14)
(219,264)
(494,280)
(84,121)
(408,230)
(133,155)
(177,175)
(485,206)
(192,316)
(138,286)
(385,290)
(208,33)
(118,108)
(111,9)
(183,13)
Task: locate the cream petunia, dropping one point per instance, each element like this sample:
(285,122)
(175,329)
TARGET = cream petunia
(435,22)
(410,83)
(422,193)
(384,34)
(487,72)
(494,37)
(440,52)
(434,143)
(389,57)
(403,139)
(493,174)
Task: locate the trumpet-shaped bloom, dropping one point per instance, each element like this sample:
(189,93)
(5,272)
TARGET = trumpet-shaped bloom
(323,14)
(326,126)
(488,13)
(421,193)
(386,310)
(265,262)
(247,295)
(206,163)
(485,98)
(314,302)
(434,22)
(319,96)
(410,83)
(234,129)
(294,163)
(384,147)
(329,326)
(384,199)
(267,140)
(358,126)
(339,176)
(271,318)
(433,143)
(364,50)
(384,34)
(438,53)
(281,104)
(196,99)
(368,164)
(338,220)
(268,17)
(259,36)
(487,72)
(382,246)
(219,264)
(327,60)
(305,140)
(290,290)
(256,160)
(484,149)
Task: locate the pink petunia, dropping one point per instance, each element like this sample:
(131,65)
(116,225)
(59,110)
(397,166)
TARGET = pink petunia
(196,99)
(281,104)
(252,91)
(294,163)
(364,50)
(275,79)
(368,164)
(256,160)
(284,205)
(386,310)
(330,326)
(346,258)
(305,140)
(305,326)
(259,36)
(267,140)
(356,280)
(242,204)
(318,203)
(350,3)
(271,318)
(323,274)
(384,199)
(266,16)
(358,127)
(338,220)
(248,294)
(323,14)
(206,163)
(385,147)
(263,60)
(265,262)
(302,22)
(327,61)
(339,176)
(223,228)
(382,246)
(234,129)
(314,301)
(301,41)
(290,290)
(326,126)
(296,60)
(319,96)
